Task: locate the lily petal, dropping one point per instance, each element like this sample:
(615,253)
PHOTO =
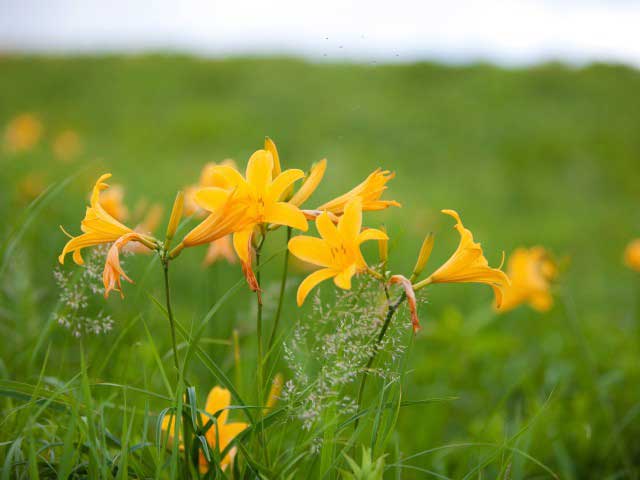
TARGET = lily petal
(211,198)
(327,229)
(242,244)
(350,223)
(218,399)
(311,249)
(311,281)
(371,234)
(282,182)
(282,213)
(259,170)
(343,279)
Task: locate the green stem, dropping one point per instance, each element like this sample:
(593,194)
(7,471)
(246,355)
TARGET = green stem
(283,284)
(259,371)
(167,291)
(391,310)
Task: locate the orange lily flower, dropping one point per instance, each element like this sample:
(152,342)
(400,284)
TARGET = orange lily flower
(337,252)
(369,192)
(632,255)
(467,265)
(218,400)
(531,272)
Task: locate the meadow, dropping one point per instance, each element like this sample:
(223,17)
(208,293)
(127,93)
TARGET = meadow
(547,155)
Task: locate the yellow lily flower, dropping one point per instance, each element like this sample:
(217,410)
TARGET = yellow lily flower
(98,226)
(369,192)
(467,265)
(260,195)
(632,255)
(218,400)
(531,272)
(22,133)
(338,251)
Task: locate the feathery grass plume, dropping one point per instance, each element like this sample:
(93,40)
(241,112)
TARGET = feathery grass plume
(77,312)
(329,349)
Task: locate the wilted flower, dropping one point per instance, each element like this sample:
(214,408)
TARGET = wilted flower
(67,145)
(632,255)
(338,251)
(531,272)
(22,133)
(218,402)
(467,265)
(369,192)
(113,272)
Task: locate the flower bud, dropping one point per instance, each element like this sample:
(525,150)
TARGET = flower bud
(270,146)
(176,215)
(423,256)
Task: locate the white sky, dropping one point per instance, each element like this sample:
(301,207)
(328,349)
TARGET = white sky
(506,32)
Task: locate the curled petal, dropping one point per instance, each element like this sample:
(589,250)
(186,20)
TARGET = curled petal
(113,272)
(371,234)
(411,299)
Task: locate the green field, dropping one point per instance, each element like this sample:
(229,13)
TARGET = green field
(548,155)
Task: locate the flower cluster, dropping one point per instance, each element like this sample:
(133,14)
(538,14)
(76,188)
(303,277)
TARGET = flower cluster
(264,198)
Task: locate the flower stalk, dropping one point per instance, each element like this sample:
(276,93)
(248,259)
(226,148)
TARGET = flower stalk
(283,285)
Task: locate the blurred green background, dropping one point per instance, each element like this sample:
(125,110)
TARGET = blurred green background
(547,156)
